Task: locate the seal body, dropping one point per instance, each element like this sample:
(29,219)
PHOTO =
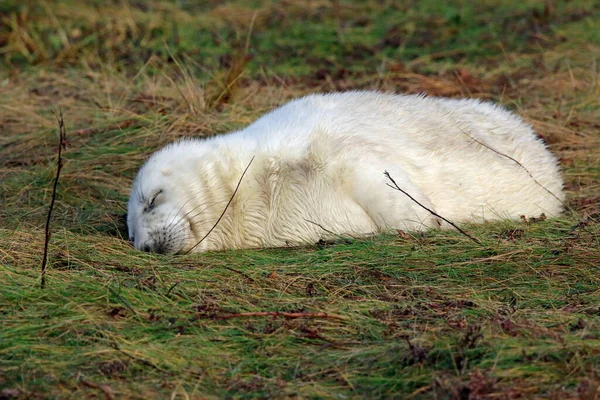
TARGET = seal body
(318,167)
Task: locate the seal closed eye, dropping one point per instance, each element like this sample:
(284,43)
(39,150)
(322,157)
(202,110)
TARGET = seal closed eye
(152,201)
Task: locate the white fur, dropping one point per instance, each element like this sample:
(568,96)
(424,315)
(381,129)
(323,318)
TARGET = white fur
(318,170)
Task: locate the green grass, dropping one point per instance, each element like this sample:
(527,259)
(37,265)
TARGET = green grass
(431,315)
(116,315)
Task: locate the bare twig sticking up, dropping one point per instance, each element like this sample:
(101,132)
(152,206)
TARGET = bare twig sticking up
(396,187)
(62,140)
(225,209)
(513,160)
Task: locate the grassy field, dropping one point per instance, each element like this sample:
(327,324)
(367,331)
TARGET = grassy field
(431,315)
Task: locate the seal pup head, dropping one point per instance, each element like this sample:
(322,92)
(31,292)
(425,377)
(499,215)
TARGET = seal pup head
(160,212)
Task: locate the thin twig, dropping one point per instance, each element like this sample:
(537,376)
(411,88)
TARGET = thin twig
(396,187)
(173,286)
(330,231)
(280,314)
(225,209)
(321,226)
(108,393)
(62,140)
(515,161)
(248,277)
(581,224)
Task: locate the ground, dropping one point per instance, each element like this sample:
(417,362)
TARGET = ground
(431,315)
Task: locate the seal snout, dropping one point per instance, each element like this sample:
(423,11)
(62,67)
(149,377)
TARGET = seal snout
(154,247)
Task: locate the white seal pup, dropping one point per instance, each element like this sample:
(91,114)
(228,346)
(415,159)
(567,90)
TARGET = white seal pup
(318,170)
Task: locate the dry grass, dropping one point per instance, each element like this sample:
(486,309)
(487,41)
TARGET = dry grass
(425,316)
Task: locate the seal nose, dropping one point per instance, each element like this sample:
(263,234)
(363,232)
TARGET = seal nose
(154,248)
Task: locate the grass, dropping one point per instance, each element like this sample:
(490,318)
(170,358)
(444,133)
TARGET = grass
(424,316)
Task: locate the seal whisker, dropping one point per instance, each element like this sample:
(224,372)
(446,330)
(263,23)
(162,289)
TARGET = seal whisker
(181,223)
(175,216)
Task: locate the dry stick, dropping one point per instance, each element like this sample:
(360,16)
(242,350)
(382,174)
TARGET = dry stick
(515,161)
(281,314)
(248,277)
(329,231)
(108,393)
(172,287)
(61,144)
(396,187)
(225,209)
